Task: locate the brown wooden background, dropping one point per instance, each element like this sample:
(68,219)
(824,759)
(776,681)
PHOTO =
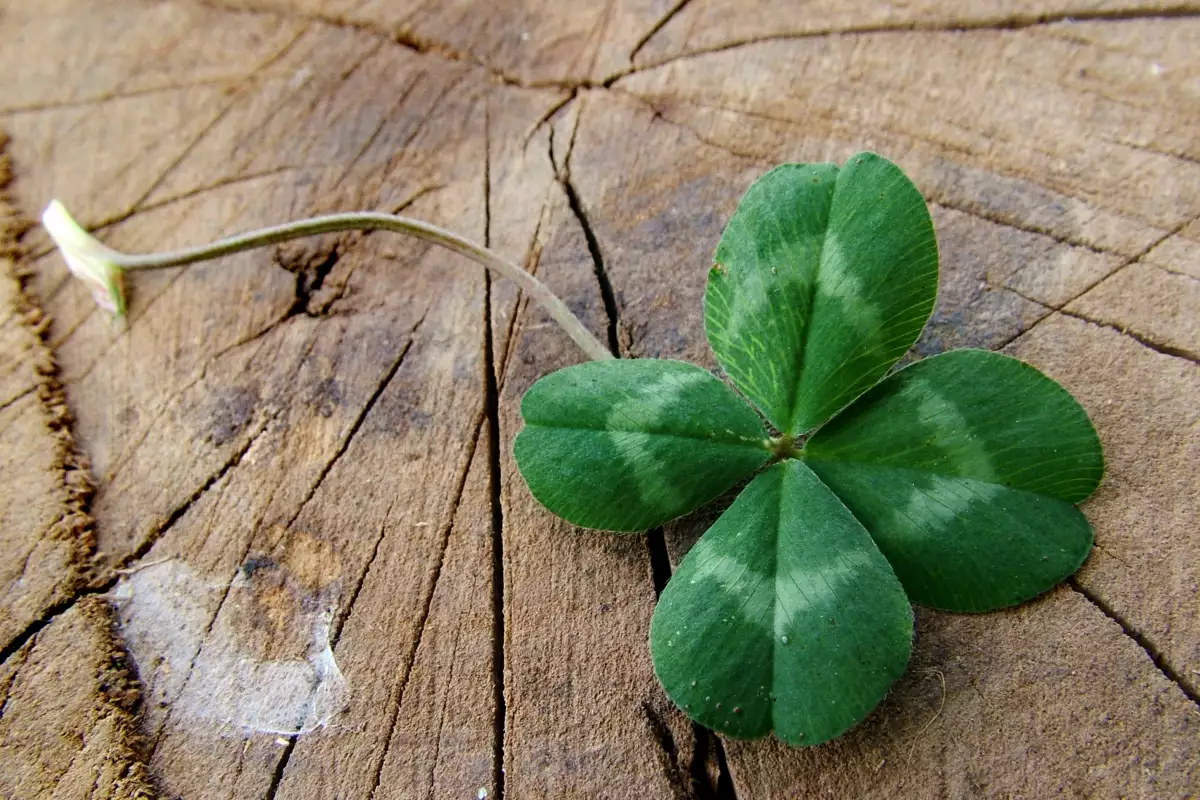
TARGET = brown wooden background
(327,427)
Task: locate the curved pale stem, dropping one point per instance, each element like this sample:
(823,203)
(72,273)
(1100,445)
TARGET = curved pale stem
(366,220)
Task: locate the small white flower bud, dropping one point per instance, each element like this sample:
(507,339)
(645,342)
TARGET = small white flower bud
(90,260)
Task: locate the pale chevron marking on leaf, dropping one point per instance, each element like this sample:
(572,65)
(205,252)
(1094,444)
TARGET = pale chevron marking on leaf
(751,307)
(826,332)
(938,507)
(805,588)
(952,425)
(758,335)
(842,287)
(728,572)
(645,410)
(841,284)
(770,604)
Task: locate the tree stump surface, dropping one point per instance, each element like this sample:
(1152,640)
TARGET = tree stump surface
(268,539)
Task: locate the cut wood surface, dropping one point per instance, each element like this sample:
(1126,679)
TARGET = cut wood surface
(268,540)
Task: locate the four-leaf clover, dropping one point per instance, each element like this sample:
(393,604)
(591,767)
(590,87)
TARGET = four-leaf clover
(950,483)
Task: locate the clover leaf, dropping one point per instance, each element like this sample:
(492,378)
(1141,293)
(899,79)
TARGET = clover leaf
(823,278)
(784,615)
(951,482)
(628,445)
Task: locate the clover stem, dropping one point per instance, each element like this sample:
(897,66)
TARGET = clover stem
(366,221)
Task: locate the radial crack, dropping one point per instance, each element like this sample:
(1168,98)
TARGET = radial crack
(1142,339)
(495,484)
(358,421)
(1155,655)
(606,290)
(427,605)
(668,751)
(658,26)
(1012,22)
(148,543)
(402,36)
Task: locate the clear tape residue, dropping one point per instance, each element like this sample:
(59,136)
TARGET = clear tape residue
(165,610)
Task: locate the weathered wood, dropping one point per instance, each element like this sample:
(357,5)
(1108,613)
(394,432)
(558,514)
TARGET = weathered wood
(695,26)
(68,728)
(1144,406)
(312,446)
(528,42)
(44,529)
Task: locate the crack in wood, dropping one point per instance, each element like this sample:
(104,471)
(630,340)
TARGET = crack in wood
(533,256)
(212,621)
(30,632)
(694,782)
(357,424)
(660,115)
(18,658)
(223,183)
(726,789)
(340,622)
(1061,307)
(703,788)
(310,277)
(658,26)
(384,119)
(1177,272)
(495,485)
(441,726)
(179,159)
(179,511)
(402,36)
(423,620)
(600,29)
(607,295)
(1011,22)
(660,560)
(668,752)
(1145,148)
(1147,342)
(548,115)
(1155,655)
(280,767)
(131,450)
(98,100)
(18,397)
(130,320)
(987,215)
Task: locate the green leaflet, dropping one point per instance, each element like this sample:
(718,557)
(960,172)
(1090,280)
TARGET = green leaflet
(823,278)
(628,445)
(784,616)
(964,468)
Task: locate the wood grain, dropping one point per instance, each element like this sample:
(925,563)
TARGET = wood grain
(323,431)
